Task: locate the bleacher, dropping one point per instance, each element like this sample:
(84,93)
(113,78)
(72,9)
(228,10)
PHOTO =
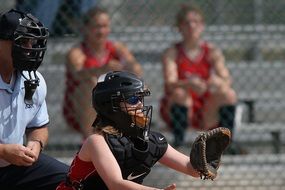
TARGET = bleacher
(141,39)
(254,129)
(258,83)
(154,39)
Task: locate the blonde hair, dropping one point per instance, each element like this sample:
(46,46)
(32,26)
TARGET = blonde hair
(107,130)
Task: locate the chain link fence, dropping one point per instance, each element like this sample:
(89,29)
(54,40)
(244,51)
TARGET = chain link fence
(251,34)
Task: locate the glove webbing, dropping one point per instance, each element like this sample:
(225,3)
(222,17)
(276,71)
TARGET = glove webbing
(206,173)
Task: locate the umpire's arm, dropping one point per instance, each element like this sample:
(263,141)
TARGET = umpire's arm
(37,138)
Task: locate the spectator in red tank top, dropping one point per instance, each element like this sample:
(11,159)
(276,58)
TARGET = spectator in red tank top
(95,55)
(198,90)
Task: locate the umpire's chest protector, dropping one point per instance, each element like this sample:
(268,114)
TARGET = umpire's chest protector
(136,158)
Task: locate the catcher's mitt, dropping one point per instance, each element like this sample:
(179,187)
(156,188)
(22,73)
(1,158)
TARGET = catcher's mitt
(207,149)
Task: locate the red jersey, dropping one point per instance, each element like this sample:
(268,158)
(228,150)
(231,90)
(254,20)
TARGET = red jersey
(186,67)
(79,171)
(92,61)
(201,67)
(71,83)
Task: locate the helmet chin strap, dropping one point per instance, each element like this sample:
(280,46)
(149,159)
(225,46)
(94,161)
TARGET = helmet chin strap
(31,85)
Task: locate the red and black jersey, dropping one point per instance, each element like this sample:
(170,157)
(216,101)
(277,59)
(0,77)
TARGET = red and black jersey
(134,156)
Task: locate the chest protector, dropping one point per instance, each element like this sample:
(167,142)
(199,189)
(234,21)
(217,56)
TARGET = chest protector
(136,157)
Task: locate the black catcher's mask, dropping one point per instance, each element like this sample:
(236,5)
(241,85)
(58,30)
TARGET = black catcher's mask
(110,96)
(29,38)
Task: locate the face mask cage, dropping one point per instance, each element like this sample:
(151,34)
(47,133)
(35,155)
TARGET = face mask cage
(141,123)
(30,43)
(144,123)
(29,46)
(28,52)
(140,116)
(130,98)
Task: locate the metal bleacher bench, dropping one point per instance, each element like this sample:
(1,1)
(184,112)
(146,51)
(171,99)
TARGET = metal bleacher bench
(251,126)
(258,84)
(262,85)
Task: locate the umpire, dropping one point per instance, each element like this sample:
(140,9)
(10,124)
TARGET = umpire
(23,111)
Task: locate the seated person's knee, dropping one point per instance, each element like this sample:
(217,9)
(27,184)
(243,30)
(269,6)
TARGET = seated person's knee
(180,96)
(231,97)
(226,96)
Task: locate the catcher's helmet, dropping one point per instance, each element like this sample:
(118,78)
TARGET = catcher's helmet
(29,38)
(114,89)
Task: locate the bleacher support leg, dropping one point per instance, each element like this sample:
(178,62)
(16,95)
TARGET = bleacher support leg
(276,142)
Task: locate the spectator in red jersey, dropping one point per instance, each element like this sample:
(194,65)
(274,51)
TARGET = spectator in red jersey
(198,90)
(95,55)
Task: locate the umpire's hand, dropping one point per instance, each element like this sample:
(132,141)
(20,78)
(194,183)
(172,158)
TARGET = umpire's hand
(18,154)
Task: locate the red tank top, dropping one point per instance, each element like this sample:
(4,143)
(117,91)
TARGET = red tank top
(200,66)
(71,83)
(92,62)
(79,170)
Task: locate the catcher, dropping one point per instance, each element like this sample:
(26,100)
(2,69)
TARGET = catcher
(123,149)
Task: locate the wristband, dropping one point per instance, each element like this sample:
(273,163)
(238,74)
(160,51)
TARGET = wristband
(40,142)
